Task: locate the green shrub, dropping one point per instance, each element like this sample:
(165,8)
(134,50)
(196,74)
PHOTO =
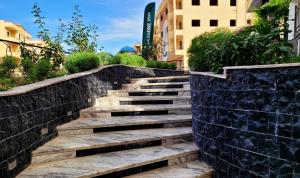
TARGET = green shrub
(160,65)
(212,51)
(7,83)
(81,61)
(27,65)
(105,58)
(8,65)
(207,49)
(41,70)
(128,59)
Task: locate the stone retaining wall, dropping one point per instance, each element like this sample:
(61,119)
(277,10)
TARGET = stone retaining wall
(29,114)
(247,121)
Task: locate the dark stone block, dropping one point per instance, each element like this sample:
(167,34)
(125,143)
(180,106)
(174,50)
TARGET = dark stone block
(224,117)
(290,149)
(281,168)
(296,127)
(288,79)
(288,104)
(239,119)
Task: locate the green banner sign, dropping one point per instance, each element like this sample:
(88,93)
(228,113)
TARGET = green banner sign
(148,27)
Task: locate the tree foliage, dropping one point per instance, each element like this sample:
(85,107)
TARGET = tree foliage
(81,37)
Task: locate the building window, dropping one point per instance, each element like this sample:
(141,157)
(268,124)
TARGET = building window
(180,45)
(166,11)
(195,23)
(162,34)
(161,17)
(213,23)
(232,23)
(7,34)
(232,2)
(196,2)
(180,26)
(179,5)
(213,2)
(249,22)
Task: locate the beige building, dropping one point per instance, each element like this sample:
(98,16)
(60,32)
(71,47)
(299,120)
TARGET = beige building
(13,34)
(177,22)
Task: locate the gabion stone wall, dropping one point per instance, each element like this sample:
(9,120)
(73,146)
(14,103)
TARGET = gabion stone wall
(247,123)
(29,115)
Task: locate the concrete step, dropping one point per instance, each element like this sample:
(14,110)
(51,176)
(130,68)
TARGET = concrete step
(194,169)
(142,100)
(124,110)
(150,92)
(165,85)
(161,79)
(88,125)
(65,147)
(122,163)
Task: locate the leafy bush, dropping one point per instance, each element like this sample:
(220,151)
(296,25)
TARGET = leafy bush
(105,58)
(41,70)
(212,51)
(8,65)
(128,59)
(27,65)
(81,61)
(207,49)
(160,65)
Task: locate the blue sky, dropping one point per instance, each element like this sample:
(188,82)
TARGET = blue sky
(120,22)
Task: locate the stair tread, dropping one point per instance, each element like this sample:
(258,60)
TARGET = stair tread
(123,121)
(195,169)
(162,78)
(132,108)
(160,83)
(154,90)
(121,98)
(107,139)
(102,164)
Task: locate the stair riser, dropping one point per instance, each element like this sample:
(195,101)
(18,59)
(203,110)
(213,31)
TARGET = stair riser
(178,159)
(78,131)
(141,93)
(158,86)
(151,166)
(117,102)
(95,114)
(68,154)
(145,81)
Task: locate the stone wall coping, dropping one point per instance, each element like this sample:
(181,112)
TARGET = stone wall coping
(224,75)
(262,66)
(34,86)
(209,74)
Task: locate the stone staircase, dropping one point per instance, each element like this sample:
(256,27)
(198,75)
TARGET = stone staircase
(143,130)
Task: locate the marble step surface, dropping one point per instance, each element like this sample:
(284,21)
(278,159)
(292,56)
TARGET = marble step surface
(97,165)
(176,85)
(130,92)
(98,111)
(64,147)
(194,169)
(86,125)
(131,100)
(161,79)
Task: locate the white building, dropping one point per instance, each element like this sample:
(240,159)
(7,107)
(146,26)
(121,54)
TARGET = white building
(294,25)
